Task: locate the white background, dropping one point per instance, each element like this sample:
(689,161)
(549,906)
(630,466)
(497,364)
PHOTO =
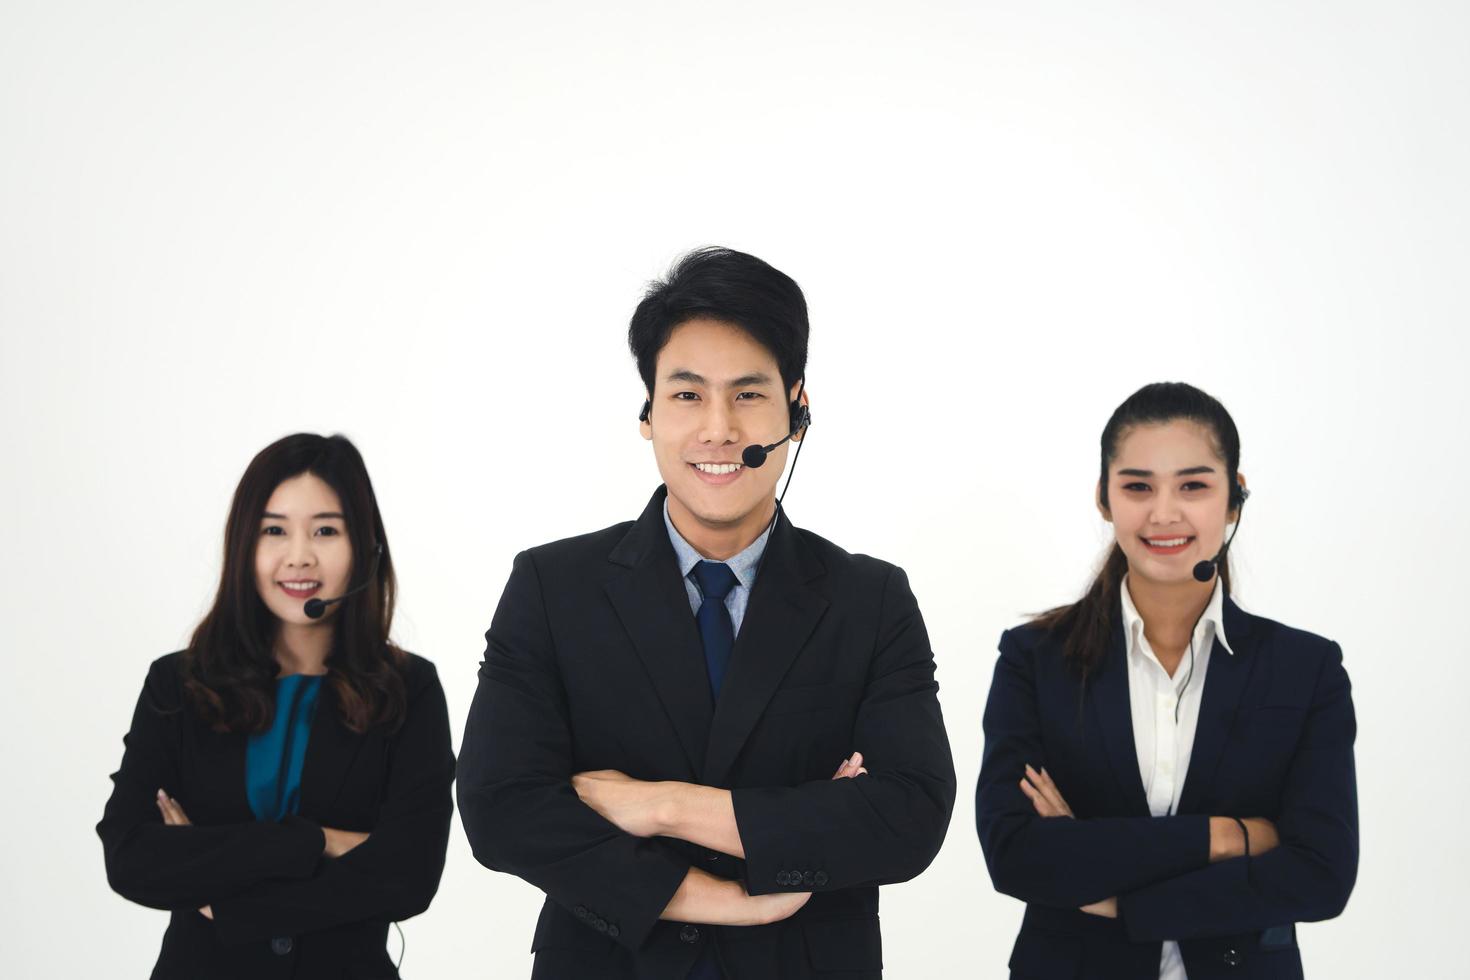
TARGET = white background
(425,225)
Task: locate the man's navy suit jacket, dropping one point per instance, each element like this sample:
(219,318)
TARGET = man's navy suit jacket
(594,661)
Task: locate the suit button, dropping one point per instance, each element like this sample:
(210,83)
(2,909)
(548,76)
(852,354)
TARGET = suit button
(600,925)
(782,878)
(281,945)
(821,878)
(612,931)
(580,911)
(808,879)
(689,934)
(1232,957)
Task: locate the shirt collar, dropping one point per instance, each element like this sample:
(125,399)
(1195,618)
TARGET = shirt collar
(744,565)
(1212,623)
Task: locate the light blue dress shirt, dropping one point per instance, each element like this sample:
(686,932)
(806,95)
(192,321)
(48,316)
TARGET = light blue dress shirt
(744,565)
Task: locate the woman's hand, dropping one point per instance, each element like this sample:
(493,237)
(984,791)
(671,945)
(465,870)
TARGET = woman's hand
(851,767)
(1043,794)
(1107,908)
(174,816)
(1226,840)
(339,842)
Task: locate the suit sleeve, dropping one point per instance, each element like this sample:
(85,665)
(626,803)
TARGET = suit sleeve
(1061,862)
(394,874)
(516,800)
(1310,875)
(879,828)
(185,867)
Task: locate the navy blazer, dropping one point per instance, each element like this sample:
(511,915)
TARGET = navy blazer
(594,662)
(1274,740)
(280,908)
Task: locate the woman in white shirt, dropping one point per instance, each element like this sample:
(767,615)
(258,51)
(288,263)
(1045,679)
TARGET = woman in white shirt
(1167,780)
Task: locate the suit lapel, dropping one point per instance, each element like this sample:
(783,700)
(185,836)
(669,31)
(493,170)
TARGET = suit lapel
(782,612)
(653,605)
(1225,682)
(1115,720)
(329,755)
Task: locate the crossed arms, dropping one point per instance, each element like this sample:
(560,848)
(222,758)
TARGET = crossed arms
(592,841)
(264,879)
(1176,877)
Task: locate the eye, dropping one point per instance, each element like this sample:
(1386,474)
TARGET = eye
(327,531)
(1196,485)
(1136,487)
(685,396)
(274,530)
(749,396)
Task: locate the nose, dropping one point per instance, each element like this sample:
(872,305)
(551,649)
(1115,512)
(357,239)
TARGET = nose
(717,424)
(302,554)
(1165,509)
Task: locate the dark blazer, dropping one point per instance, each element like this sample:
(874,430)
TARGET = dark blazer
(1274,740)
(280,908)
(594,662)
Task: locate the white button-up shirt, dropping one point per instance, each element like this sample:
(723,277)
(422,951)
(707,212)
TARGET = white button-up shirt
(1165,713)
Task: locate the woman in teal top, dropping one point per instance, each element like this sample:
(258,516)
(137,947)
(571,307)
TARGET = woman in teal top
(285,787)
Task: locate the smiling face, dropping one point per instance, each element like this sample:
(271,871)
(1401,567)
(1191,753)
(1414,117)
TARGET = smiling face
(1168,499)
(716,391)
(303,549)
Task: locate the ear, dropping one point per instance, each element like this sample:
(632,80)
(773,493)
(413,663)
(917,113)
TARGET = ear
(1234,515)
(805,400)
(1102,508)
(645,425)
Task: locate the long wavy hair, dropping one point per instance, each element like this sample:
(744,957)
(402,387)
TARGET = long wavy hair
(230,667)
(1086,626)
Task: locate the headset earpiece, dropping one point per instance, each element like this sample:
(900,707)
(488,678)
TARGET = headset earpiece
(1238,495)
(647,409)
(801,416)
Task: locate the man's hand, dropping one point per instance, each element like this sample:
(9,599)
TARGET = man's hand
(634,806)
(1043,794)
(1107,908)
(710,900)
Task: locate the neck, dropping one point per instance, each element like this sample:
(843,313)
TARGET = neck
(302,649)
(722,541)
(1169,610)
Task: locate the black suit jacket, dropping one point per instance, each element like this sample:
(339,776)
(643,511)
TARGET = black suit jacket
(1274,739)
(594,662)
(280,908)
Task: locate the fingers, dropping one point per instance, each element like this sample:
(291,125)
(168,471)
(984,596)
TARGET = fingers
(207,912)
(173,813)
(1048,789)
(850,767)
(1043,807)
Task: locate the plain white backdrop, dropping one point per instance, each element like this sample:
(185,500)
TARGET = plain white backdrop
(425,225)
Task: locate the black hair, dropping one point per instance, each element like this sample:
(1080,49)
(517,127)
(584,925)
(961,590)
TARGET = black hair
(1086,626)
(230,667)
(732,287)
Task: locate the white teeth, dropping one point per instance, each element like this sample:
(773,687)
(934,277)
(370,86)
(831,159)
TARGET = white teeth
(300,586)
(1166,542)
(717,469)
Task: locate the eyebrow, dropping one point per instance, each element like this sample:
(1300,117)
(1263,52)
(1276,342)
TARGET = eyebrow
(744,381)
(323,516)
(1188,471)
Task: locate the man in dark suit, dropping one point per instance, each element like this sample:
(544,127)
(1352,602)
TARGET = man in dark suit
(662,703)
